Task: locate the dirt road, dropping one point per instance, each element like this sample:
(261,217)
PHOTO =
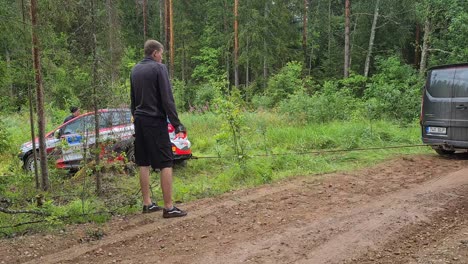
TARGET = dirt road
(408,210)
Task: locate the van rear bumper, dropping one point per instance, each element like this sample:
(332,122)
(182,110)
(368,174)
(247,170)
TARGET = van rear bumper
(446,144)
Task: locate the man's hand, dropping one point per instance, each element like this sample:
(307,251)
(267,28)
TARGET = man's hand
(180,129)
(132,119)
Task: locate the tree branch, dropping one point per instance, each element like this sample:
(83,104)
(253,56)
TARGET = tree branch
(439,50)
(6,211)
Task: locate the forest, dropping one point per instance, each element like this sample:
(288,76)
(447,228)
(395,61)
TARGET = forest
(312,41)
(325,67)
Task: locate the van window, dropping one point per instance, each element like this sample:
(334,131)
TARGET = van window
(460,83)
(440,83)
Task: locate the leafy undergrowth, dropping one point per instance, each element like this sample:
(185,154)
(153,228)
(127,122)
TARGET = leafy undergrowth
(274,148)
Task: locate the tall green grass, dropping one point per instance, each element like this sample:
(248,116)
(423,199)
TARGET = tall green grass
(276,148)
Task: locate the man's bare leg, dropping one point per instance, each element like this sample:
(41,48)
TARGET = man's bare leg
(145,184)
(166,186)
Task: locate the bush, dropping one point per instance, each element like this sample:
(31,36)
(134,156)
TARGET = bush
(395,91)
(181,95)
(319,108)
(285,83)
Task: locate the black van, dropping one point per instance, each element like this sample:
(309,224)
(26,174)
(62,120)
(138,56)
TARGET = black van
(444,109)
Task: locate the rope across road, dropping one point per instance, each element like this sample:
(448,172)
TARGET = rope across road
(317,152)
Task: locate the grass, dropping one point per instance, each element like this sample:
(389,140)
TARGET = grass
(275,148)
(269,133)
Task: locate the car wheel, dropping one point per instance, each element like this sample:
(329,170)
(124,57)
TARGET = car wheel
(444,152)
(29,162)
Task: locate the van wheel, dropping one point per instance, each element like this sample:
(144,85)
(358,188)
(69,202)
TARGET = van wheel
(444,152)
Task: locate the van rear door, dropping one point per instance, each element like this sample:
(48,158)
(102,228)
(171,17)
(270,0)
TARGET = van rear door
(437,104)
(459,105)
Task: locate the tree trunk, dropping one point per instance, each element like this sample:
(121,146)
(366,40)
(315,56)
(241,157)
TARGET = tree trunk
(236,44)
(304,29)
(353,33)
(371,39)
(113,46)
(171,39)
(346,52)
(161,20)
(247,80)
(227,53)
(265,49)
(426,43)
(145,19)
(97,145)
(417,48)
(40,97)
(329,34)
(31,112)
(312,41)
(183,60)
(8,65)
(166,24)
(33,137)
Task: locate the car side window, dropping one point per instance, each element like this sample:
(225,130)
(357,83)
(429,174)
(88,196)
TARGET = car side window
(460,83)
(105,120)
(120,118)
(74,127)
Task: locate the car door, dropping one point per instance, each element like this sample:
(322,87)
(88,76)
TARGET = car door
(437,104)
(73,136)
(459,126)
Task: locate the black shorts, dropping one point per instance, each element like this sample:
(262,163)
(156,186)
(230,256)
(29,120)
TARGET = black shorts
(152,144)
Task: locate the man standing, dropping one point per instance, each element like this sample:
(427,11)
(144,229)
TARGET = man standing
(152,103)
(75,111)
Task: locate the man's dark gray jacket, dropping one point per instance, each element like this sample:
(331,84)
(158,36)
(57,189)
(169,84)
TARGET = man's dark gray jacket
(151,92)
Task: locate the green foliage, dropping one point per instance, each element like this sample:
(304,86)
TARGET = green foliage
(4,138)
(320,107)
(233,126)
(285,83)
(208,68)
(181,94)
(395,91)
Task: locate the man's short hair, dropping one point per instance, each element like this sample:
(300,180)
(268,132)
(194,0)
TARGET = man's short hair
(73,109)
(151,45)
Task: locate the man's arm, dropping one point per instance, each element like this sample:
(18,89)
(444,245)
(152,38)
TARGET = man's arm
(167,99)
(132,97)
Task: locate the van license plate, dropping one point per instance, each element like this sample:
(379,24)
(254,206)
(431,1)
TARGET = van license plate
(436,130)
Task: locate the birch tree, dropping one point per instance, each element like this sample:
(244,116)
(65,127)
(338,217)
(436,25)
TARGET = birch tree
(371,39)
